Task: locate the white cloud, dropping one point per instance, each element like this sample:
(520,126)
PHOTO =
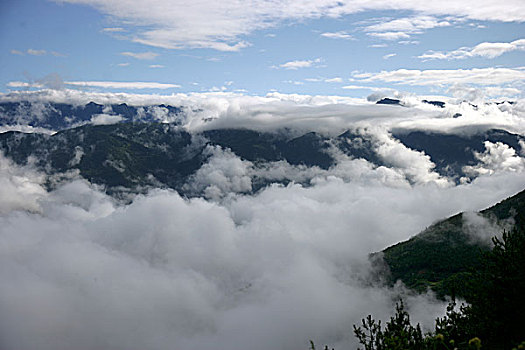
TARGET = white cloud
(498,157)
(113,29)
(403,28)
(223,174)
(408,25)
(207,24)
(390,35)
(21,188)
(299,64)
(34,52)
(481,76)
(385,57)
(122,85)
(141,55)
(334,80)
(125,64)
(470,93)
(106,119)
(486,50)
(338,35)
(328,114)
(21,84)
(267,271)
(482,229)
(363,87)
(156,66)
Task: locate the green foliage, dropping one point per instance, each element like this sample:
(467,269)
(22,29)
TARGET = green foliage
(443,257)
(493,318)
(399,334)
(497,298)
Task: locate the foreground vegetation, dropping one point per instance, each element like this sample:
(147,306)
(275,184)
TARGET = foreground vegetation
(493,316)
(442,256)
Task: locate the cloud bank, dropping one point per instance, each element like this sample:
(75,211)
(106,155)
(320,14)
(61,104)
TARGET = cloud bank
(325,114)
(266,271)
(227,269)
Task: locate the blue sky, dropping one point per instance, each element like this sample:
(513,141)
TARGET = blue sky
(318,47)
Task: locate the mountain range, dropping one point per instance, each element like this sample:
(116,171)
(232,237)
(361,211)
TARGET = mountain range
(137,147)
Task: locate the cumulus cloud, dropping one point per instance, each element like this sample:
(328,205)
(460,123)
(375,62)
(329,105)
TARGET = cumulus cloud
(486,50)
(207,24)
(223,174)
(496,158)
(21,188)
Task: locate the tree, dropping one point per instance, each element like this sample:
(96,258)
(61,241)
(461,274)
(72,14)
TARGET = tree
(399,334)
(496,309)
(494,315)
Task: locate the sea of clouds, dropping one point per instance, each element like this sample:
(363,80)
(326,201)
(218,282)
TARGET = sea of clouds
(231,270)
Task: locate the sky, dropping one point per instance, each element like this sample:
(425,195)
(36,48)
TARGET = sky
(322,47)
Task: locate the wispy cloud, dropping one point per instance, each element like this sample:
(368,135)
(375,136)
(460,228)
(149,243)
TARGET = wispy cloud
(403,28)
(221,25)
(334,80)
(34,52)
(443,77)
(122,85)
(21,84)
(113,29)
(338,35)
(390,55)
(156,66)
(485,49)
(362,87)
(125,64)
(140,55)
(390,35)
(378,45)
(299,64)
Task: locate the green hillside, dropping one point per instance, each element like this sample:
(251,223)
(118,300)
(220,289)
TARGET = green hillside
(442,256)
